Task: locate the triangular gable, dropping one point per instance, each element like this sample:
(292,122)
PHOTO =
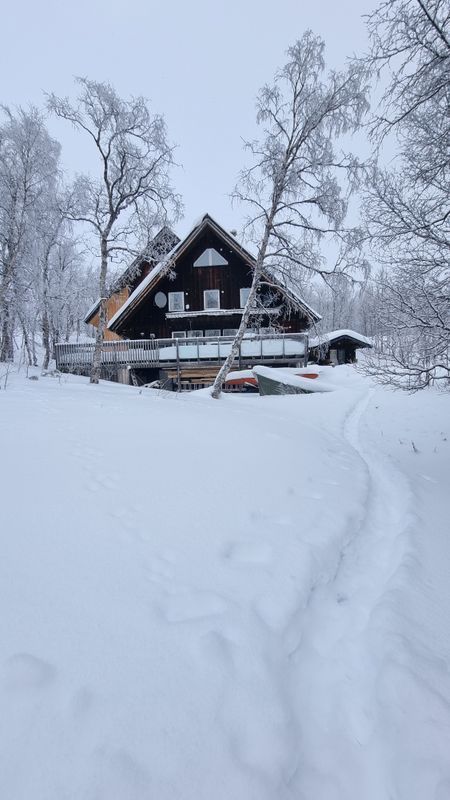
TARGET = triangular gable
(160,270)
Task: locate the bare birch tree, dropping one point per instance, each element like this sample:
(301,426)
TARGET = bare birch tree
(59,275)
(133,193)
(408,205)
(293,185)
(28,173)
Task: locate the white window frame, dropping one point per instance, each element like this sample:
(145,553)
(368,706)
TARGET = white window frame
(211,308)
(172,295)
(244,289)
(194,334)
(178,334)
(229,331)
(213,332)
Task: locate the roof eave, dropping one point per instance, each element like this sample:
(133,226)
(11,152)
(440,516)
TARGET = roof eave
(92,312)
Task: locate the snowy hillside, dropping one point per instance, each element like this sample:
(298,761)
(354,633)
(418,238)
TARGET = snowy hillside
(236,600)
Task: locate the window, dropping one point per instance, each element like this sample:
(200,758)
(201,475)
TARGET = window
(194,334)
(210,258)
(229,331)
(176,301)
(213,332)
(211,298)
(178,334)
(244,293)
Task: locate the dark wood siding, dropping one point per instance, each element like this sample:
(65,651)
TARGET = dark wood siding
(149,320)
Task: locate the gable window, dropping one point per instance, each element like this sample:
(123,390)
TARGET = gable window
(210,258)
(176,301)
(211,298)
(244,293)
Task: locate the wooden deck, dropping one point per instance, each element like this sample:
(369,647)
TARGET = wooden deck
(149,353)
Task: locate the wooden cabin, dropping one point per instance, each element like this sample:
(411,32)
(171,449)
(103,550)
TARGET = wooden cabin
(337,347)
(172,315)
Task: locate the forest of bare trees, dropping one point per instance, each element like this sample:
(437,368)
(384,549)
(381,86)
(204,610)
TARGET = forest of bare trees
(58,237)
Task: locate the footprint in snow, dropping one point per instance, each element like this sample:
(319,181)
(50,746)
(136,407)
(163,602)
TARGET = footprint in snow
(23,671)
(83,701)
(117,773)
(249,552)
(217,648)
(277,609)
(159,570)
(97,482)
(427,478)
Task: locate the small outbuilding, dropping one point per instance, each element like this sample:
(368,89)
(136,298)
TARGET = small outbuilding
(337,347)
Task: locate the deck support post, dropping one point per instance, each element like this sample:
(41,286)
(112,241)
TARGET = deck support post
(178,366)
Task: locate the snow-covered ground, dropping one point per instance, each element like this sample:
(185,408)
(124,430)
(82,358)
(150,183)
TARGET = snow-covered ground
(237,600)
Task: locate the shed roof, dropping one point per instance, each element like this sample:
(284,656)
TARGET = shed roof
(342,333)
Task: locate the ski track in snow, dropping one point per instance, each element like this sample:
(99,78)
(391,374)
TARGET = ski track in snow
(285,687)
(285,638)
(336,662)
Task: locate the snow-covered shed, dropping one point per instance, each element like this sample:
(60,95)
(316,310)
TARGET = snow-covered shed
(337,347)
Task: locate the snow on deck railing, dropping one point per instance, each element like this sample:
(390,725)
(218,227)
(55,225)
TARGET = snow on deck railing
(163,352)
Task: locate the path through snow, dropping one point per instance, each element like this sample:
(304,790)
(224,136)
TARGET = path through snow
(214,600)
(338,659)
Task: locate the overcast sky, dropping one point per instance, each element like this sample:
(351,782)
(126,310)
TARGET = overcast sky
(200,63)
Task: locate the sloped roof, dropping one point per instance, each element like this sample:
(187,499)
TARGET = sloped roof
(150,281)
(342,333)
(164,240)
(94,307)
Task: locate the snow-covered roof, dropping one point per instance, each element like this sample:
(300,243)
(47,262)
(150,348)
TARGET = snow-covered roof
(156,251)
(152,275)
(326,338)
(158,271)
(92,311)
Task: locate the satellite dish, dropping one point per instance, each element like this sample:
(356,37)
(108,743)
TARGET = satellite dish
(160,299)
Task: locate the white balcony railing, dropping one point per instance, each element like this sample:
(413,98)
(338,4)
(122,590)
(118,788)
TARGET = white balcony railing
(164,352)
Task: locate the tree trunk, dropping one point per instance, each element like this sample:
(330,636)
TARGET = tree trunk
(26,342)
(46,339)
(257,274)
(7,345)
(6,336)
(55,340)
(45,315)
(33,348)
(100,333)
